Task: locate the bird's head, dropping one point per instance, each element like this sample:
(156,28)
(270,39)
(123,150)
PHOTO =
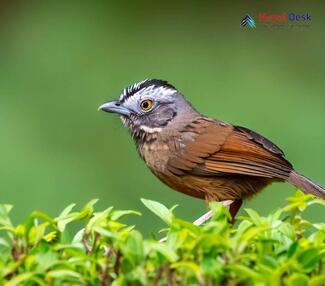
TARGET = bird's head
(148,106)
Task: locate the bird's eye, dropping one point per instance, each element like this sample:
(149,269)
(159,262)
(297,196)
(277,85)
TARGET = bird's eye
(146,104)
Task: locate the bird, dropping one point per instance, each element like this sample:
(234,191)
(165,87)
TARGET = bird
(199,156)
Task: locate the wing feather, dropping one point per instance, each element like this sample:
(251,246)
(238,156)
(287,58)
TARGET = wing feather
(214,148)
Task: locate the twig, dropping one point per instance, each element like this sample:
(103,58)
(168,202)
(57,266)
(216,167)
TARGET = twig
(117,262)
(105,278)
(158,275)
(86,244)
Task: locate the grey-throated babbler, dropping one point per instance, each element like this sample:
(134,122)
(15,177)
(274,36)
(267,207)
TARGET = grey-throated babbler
(197,155)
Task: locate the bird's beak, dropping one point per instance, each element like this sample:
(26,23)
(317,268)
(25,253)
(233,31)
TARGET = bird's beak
(115,107)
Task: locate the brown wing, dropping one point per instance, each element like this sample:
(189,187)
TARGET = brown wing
(214,148)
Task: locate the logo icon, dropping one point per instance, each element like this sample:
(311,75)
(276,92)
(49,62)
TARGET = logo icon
(248,21)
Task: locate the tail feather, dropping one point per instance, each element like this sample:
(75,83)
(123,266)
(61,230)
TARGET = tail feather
(306,185)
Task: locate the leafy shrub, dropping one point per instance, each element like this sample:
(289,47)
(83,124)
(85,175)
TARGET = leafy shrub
(280,249)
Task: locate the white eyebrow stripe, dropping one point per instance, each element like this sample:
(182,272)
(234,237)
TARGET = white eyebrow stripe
(147,86)
(149,92)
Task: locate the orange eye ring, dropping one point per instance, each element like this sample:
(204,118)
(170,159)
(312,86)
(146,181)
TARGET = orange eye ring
(146,104)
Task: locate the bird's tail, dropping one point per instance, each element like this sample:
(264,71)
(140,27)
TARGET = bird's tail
(306,185)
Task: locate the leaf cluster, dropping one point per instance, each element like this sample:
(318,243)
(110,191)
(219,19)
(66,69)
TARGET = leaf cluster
(282,248)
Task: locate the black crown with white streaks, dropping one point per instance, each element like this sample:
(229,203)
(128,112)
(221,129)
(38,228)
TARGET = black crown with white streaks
(147,83)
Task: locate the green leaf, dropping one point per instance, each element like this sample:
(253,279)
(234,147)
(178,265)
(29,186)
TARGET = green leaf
(46,259)
(105,232)
(4,215)
(293,249)
(269,261)
(98,219)
(65,212)
(220,212)
(133,248)
(36,233)
(255,218)
(66,217)
(20,278)
(64,275)
(159,210)
(87,210)
(257,251)
(317,280)
(245,272)
(118,214)
(4,242)
(51,236)
(44,216)
(161,248)
(78,236)
(308,259)
(187,264)
(298,279)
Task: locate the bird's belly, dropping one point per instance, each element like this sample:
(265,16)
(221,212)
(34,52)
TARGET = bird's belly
(181,184)
(215,188)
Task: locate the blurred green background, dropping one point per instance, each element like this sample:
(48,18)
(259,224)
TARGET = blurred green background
(59,60)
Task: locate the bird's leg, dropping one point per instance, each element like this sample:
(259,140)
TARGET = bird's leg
(234,208)
(202,219)
(209,214)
